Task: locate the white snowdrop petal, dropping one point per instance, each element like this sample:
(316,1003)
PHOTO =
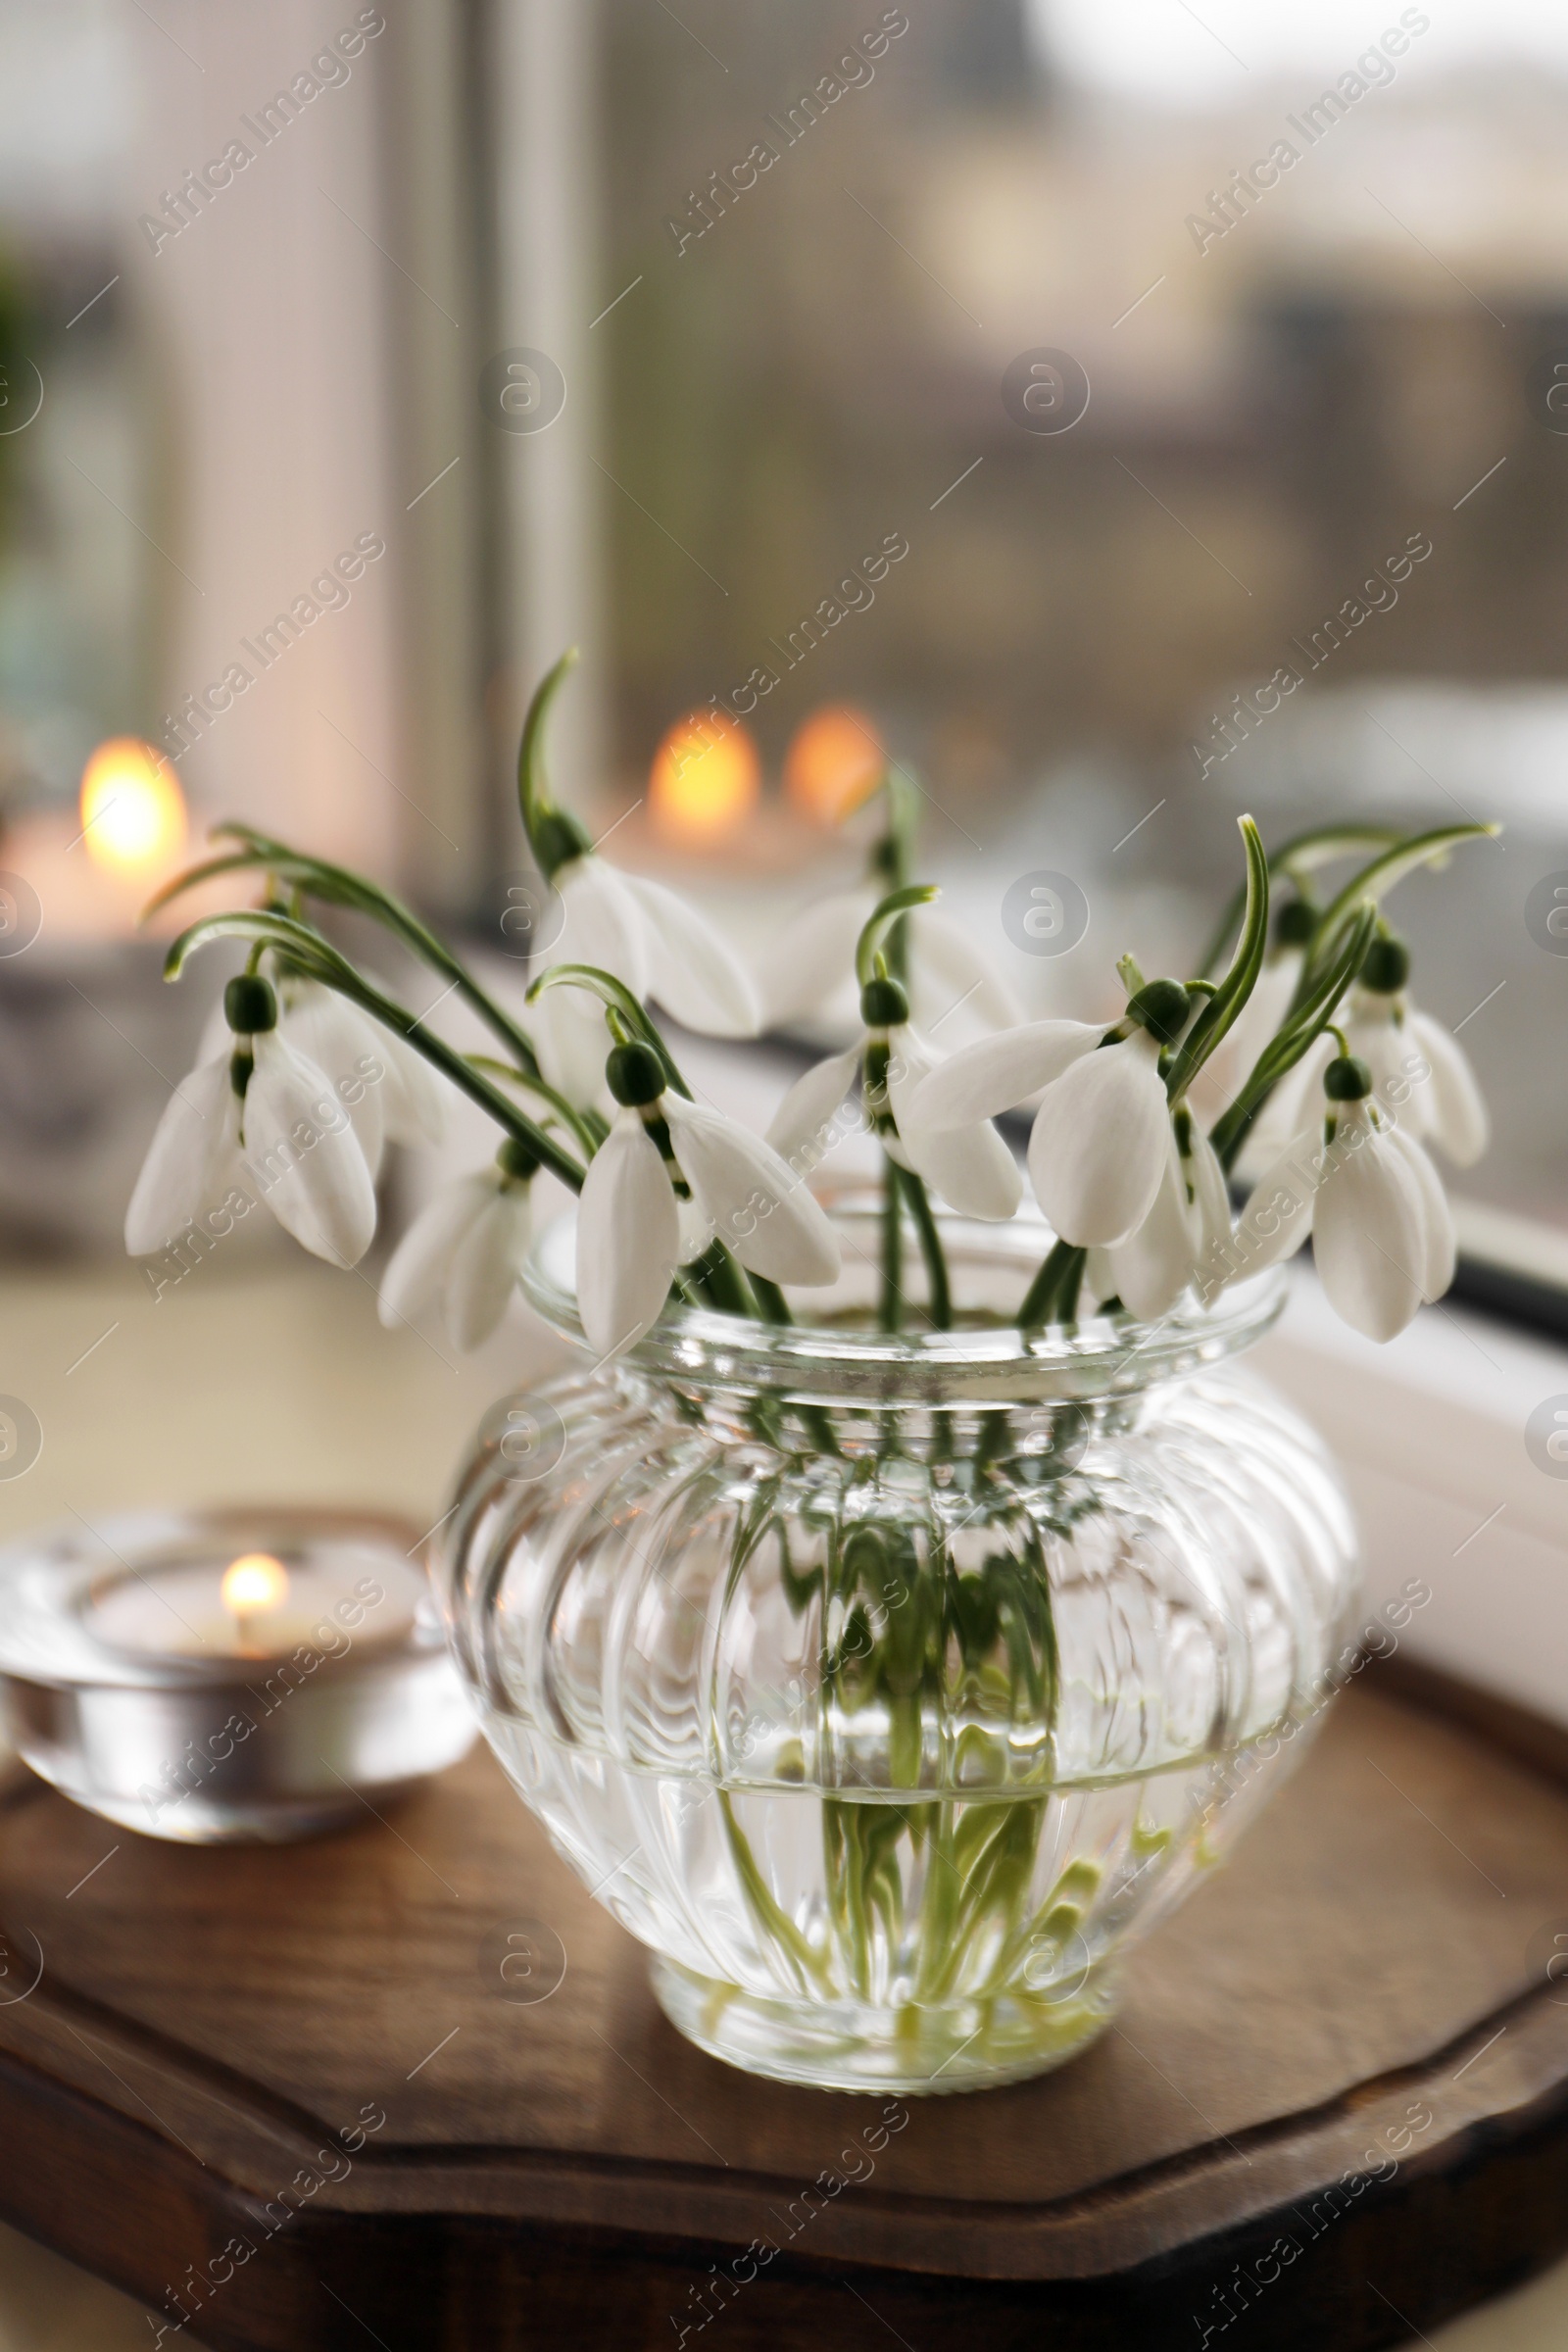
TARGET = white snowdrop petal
(696,1229)
(694,974)
(418,1267)
(1441,1253)
(1100,1140)
(628,1237)
(949,968)
(1212,1199)
(573,1044)
(1152,1267)
(192,1158)
(303,1152)
(1369,1233)
(809,965)
(1294,1102)
(971,1168)
(985,1079)
(603,922)
(1279,1212)
(415,1105)
(805,1127)
(760,1208)
(346,1045)
(1459,1123)
(484,1268)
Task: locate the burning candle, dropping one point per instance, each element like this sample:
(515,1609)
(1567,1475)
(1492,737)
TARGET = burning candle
(835,761)
(705,779)
(199,1687)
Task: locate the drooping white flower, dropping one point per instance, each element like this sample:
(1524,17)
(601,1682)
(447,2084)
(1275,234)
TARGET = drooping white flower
(656,943)
(1188,1224)
(463,1253)
(967,1163)
(289,1138)
(1382,1233)
(1420,1069)
(1420,1072)
(630,1235)
(1101,1143)
(390,1091)
(193,1159)
(808,971)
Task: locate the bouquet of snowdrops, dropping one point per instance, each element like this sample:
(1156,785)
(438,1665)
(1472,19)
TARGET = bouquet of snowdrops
(1301,1061)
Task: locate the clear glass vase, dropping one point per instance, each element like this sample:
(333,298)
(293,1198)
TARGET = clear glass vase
(886,1686)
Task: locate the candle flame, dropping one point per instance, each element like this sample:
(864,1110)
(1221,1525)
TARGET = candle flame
(835,762)
(705,779)
(254,1581)
(132,809)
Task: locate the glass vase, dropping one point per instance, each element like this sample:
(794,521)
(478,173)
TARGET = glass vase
(888,1686)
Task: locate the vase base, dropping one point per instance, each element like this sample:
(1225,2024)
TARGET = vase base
(917,2052)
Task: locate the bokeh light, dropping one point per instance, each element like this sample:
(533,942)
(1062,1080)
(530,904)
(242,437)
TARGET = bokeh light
(705,779)
(132,809)
(835,762)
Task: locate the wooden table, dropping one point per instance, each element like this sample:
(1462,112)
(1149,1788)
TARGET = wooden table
(1335,2080)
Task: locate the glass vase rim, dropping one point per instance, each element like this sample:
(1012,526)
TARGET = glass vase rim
(980,1360)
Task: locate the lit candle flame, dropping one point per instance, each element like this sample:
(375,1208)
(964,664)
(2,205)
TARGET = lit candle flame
(705,779)
(835,762)
(132,809)
(253,1583)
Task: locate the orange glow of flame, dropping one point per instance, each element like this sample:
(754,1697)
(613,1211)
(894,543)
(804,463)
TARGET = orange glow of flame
(253,1583)
(835,762)
(132,809)
(705,779)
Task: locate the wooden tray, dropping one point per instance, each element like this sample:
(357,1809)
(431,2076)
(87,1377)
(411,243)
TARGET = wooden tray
(1334,2108)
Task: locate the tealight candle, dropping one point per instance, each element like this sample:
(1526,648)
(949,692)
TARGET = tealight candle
(217,1676)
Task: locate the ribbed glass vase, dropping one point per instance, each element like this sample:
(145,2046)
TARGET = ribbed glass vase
(886,1686)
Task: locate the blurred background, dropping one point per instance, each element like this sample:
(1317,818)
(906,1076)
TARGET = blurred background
(1028,387)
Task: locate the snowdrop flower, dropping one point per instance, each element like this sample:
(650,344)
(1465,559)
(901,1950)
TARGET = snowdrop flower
(967,1162)
(648,938)
(1371,1196)
(1100,1146)
(387,1086)
(1419,1070)
(257,1113)
(464,1250)
(1384,1028)
(1187,1226)
(806,972)
(630,1236)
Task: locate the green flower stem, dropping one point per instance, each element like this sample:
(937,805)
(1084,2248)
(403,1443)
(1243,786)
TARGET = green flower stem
(774,1307)
(1052,1296)
(1301,855)
(787,1936)
(1302,1026)
(318,959)
(337,886)
(892,1317)
(582,1125)
(940,1307)
(720,1276)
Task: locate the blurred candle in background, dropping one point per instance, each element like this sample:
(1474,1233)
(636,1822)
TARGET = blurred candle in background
(94,867)
(836,760)
(705,780)
(132,812)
